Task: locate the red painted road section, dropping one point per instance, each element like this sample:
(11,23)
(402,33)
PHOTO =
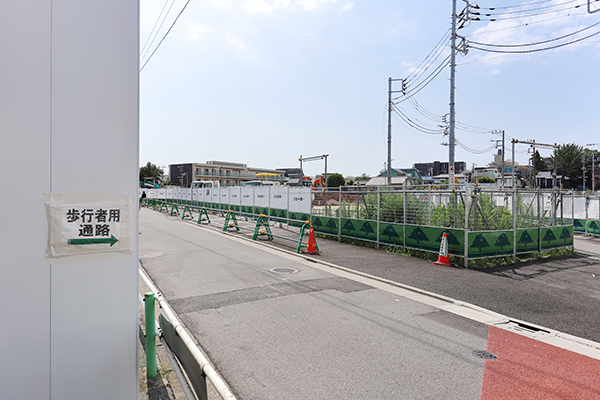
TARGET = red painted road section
(530,369)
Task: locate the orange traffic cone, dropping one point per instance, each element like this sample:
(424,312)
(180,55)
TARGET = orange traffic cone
(443,258)
(312,245)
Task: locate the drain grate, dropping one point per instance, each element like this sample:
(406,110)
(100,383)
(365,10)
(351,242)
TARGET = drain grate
(284,270)
(485,355)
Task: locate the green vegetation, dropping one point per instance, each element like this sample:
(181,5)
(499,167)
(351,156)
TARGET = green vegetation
(486,179)
(335,180)
(150,172)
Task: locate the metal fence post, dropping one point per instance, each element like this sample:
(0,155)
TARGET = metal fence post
(150,336)
(466,231)
(404,217)
(587,206)
(378,198)
(540,215)
(340,214)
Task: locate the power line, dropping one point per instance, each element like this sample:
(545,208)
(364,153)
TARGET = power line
(515,6)
(536,43)
(436,50)
(154,33)
(526,24)
(530,9)
(535,50)
(490,17)
(171,27)
(154,27)
(470,150)
(419,86)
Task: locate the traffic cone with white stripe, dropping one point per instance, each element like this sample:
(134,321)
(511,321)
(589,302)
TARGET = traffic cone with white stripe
(443,258)
(312,247)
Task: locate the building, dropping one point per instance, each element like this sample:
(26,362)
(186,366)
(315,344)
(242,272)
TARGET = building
(226,173)
(406,176)
(439,168)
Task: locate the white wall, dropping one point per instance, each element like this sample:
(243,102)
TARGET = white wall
(69,121)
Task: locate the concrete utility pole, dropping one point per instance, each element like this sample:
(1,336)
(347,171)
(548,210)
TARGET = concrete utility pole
(451,140)
(583,169)
(497,132)
(389,139)
(593,166)
(390,105)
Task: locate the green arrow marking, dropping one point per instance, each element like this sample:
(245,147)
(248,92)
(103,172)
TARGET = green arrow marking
(112,240)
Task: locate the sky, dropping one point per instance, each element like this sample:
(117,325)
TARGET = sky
(264,82)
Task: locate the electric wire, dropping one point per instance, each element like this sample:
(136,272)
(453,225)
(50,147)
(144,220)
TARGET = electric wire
(536,43)
(532,9)
(154,27)
(419,86)
(164,18)
(501,18)
(416,124)
(535,50)
(164,37)
(485,32)
(441,44)
(515,6)
(474,151)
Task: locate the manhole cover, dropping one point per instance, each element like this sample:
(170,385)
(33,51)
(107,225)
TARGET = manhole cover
(284,270)
(485,355)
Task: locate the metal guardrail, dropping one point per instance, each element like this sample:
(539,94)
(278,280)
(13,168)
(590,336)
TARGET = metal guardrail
(203,363)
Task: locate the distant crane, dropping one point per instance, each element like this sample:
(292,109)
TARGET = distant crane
(324,156)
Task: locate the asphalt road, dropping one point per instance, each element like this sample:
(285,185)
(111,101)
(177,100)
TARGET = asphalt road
(560,293)
(317,332)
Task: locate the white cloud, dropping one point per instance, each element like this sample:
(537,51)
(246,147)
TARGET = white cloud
(220,3)
(347,7)
(313,4)
(264,7)
(238,44)
(258,6)
(197,30)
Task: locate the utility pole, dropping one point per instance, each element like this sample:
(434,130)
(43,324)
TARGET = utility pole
(593,165)
(533,161)
(495,133)
(389,139)
(583,168)
(451,140)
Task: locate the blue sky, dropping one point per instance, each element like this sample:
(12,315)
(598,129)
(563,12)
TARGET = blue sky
(264,81)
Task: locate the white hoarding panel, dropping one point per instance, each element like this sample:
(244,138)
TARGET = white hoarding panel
(235,196)
(279,197)
(248,196)
(261,196)
(300,199)
(224,196)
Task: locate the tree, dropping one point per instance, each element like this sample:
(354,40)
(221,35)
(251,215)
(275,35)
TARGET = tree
(363,177)
(569,160)
(538,163)
(335,180)
(150,172)
(486,179)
